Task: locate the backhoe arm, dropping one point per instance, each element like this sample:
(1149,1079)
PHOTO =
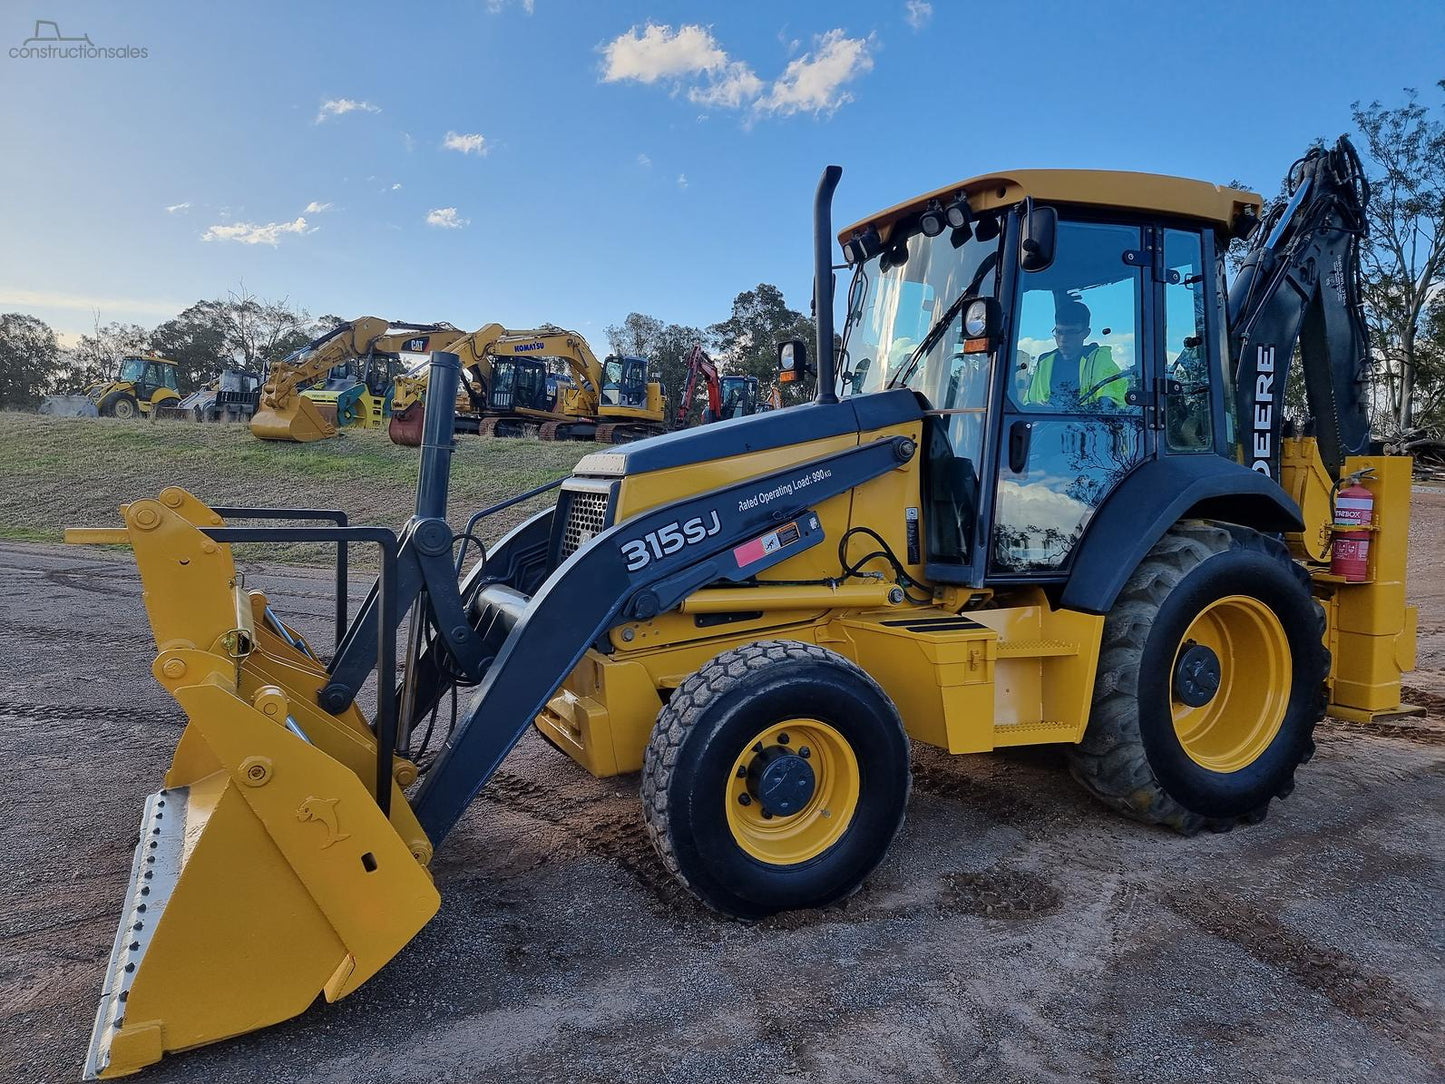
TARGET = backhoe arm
(1299,283)
(700,365)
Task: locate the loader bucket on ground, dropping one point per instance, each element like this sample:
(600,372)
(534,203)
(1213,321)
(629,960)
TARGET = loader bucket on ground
(69,406)
(266,872)
(405,427)
(298,420)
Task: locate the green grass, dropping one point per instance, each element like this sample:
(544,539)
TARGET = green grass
(67,472)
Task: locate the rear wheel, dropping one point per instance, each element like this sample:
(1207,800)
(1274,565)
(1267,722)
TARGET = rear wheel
(1211,680)
(775,779)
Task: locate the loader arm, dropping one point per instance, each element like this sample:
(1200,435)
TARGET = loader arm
(1299,284)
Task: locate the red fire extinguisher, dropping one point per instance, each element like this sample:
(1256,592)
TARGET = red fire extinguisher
(1354,515)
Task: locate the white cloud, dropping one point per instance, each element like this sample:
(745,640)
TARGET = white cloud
(466,142)
(335,107)
(447,218)
(682,180)
(813,83)
(659,52)
(690,59)
(249,234)
(917,13)
(314,208)
(644,161)
(408,142)
(495,6)
(737,86)
(178,208)
(396,187)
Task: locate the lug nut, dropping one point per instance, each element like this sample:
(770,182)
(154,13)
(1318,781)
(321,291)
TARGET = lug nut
(804,752)
(783,738)
(745,799)
(742,771)
(767,816)
(758,747)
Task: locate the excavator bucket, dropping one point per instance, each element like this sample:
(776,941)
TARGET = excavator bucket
(405,426)
(298,420)
(266,871)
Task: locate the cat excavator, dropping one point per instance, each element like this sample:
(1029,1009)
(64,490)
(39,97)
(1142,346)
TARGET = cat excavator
(362,353)
(960,542)
(731,396)
(509,376)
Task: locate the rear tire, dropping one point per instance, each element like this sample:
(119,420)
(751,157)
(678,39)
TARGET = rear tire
(1206,741)
(776,777)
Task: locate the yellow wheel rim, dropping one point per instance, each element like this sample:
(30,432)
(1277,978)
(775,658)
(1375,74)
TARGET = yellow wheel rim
(1246,711)
(787,840)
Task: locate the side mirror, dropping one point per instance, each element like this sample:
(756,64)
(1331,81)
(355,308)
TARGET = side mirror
(793,361)
(1036,237)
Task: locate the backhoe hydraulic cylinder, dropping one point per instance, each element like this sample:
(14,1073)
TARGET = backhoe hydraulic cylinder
(438,427)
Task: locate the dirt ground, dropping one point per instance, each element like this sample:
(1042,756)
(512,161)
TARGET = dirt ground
(1016,932)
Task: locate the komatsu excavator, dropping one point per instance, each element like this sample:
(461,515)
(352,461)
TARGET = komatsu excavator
(507,377)
(731,396)
(970,539)
(363,352)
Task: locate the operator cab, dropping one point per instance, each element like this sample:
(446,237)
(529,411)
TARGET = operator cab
(624,382)
(520,383)
(1057,340)
(148,375)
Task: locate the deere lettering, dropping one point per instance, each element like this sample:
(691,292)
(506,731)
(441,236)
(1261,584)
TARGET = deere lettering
(1263,410)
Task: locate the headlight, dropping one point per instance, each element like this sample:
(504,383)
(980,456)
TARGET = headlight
(975,319)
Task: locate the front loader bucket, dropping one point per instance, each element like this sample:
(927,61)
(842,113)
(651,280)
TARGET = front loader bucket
(298,420)
(405,427)
(266,872)
(69,406)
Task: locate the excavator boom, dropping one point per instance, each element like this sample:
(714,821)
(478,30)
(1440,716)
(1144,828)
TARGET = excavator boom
(285,414)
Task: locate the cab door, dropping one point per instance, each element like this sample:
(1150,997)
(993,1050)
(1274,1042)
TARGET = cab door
(1078,395)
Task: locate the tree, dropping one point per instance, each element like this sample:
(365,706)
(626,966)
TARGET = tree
(747,340)
(1403,260)
(97,356)
(196,341)
(240,331)
(28,359)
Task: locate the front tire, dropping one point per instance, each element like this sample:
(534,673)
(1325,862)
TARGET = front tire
(1210,682)
(123,406)
(776,777)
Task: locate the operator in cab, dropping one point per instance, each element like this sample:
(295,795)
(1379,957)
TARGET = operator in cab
(1077,373)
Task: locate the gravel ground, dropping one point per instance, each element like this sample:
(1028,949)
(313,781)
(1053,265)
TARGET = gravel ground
(1016,932)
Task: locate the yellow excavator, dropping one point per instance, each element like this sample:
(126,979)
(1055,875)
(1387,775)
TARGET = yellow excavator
(970,539)
(363,355)
(512,381)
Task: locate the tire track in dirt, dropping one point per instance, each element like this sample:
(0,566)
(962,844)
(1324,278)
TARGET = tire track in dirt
(1374,1000)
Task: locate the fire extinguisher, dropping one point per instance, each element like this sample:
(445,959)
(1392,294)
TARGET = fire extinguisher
(1354,516)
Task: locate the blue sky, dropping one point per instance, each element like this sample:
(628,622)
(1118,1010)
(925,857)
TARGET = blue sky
(571,162)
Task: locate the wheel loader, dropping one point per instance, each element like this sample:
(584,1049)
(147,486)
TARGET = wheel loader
(971,539)
(144,385)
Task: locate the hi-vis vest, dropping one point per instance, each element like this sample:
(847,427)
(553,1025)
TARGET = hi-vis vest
(1096,366)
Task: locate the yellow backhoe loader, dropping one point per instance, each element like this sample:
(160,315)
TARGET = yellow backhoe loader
(512,380)
(144,385)
(970,539)
(354,365)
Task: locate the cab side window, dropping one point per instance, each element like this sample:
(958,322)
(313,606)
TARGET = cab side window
(1187,424)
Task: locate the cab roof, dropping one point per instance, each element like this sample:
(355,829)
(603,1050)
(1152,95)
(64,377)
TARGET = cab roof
(1148,192)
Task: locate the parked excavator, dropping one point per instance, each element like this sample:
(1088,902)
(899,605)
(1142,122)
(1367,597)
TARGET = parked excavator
(144,384)
(510,378)
(1121,549)
(731,396)
(364,356)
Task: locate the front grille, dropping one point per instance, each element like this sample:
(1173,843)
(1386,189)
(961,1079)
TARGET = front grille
(586,516)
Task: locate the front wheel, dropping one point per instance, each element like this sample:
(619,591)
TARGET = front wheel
(124,407)
(1211,680)
(776,777)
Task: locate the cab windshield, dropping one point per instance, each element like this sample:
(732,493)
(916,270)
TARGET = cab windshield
(893,305)
(132,368)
